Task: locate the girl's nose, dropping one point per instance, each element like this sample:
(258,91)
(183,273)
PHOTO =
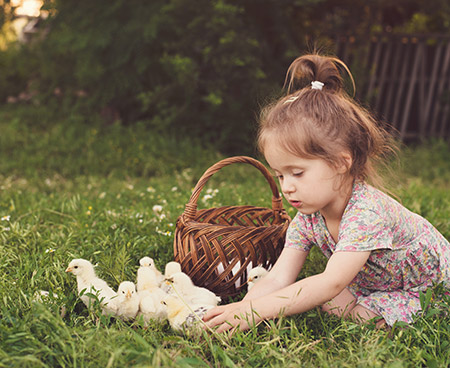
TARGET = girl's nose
(287,186)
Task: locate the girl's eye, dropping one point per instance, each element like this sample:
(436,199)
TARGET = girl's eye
(298,173)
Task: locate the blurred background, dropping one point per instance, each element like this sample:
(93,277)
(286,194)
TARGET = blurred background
(204,68)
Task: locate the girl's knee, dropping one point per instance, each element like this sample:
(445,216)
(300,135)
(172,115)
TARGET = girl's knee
(341,305)
(363,315)
(332,308)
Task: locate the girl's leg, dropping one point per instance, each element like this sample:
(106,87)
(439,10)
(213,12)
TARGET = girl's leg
(341,305)
(344,305)
(362,314)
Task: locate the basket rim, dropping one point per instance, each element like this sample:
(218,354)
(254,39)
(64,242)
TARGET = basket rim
(190,210)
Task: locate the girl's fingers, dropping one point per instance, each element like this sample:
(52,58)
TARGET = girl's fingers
(216,320)
(213,313)
(225,327)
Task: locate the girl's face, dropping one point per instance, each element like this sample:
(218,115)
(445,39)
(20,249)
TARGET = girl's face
(310,185)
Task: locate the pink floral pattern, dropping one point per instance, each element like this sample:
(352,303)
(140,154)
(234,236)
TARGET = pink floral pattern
(408,254)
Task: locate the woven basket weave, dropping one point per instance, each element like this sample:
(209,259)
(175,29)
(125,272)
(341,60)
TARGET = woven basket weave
(216,247)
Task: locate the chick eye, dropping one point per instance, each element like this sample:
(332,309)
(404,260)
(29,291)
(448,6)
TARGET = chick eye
(123,292)
(75,267)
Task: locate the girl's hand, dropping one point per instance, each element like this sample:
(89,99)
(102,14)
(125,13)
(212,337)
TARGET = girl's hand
(234,316)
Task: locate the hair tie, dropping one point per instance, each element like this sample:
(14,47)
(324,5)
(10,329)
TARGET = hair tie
(290,99)
(317,85)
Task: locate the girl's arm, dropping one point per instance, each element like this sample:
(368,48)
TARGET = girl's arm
(284,272)
(299,297)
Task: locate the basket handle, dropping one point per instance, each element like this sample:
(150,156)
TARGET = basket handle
(191,207)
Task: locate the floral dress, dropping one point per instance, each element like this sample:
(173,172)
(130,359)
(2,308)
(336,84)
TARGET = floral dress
(408,254)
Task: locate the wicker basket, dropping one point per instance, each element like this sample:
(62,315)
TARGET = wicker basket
(216,247)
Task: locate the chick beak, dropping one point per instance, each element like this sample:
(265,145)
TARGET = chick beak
(69,269)
(250,279)
(128,294)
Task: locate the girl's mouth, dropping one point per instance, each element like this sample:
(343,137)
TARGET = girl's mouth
(296,204)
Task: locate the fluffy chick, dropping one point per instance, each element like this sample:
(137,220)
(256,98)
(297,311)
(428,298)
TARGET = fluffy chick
(255,275)
(146,278)
(88,281)
(149,262)
(170,269)
(182,286)
(148,273)
(180,315)
(150,306)
(127,301)
(150,294)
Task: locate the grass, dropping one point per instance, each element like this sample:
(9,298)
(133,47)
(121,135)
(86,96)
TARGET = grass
(83,190)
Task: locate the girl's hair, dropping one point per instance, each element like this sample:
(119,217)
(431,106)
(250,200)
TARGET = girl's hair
(322,123)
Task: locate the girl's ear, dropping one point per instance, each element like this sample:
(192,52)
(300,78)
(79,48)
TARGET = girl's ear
(345,164)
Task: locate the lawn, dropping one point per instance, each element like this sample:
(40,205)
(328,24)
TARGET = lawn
(82,190)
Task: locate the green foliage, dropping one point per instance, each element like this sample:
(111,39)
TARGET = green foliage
(183,67)
(200,69)
(14,75)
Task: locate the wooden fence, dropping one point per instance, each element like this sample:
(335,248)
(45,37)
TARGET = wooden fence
(404,79)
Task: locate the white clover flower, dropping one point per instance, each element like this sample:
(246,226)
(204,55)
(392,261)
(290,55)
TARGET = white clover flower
(151,190)
(206,197)
(130,186)
(157,208)
(165,233)
(114,226)
(141,221)
(102,195)
(174,189)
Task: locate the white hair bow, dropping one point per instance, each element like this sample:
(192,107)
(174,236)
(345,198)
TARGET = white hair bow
(317,85)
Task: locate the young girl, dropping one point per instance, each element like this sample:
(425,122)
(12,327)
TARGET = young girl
(322,146)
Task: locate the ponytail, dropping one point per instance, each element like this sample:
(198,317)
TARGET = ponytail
(322,121)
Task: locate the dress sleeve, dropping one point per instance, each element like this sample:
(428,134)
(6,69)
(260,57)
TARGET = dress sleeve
(300,233)
(365,230)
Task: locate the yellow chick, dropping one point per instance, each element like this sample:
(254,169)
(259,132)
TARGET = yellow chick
(148,276)
(255,275)
(150,306)
(88,282)
(182,286)
(170,269)
(127,301)
(180,315)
